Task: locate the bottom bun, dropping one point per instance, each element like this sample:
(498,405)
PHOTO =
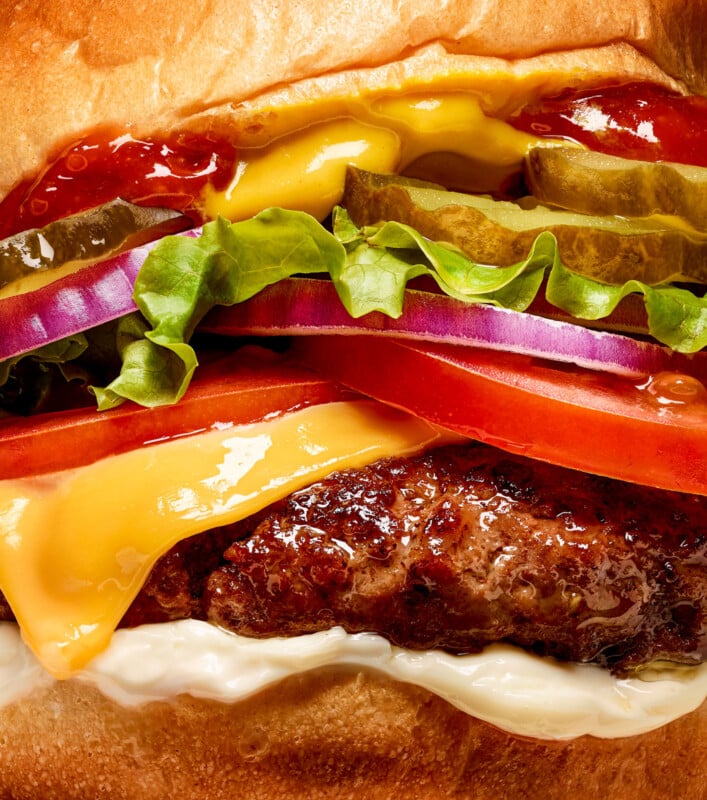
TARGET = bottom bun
(328,734)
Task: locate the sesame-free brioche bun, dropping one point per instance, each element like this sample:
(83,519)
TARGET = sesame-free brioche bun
(332,734)
(67,67)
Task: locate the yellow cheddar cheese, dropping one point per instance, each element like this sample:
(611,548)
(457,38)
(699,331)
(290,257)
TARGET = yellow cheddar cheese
(76,546)
(304,168)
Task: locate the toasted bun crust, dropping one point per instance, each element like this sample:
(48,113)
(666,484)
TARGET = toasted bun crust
(331,734)
(67,66)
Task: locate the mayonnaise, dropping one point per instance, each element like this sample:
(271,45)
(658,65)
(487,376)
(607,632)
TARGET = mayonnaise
(520,693)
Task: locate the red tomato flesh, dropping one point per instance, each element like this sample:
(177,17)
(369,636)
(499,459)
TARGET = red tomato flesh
(654,434)
(237,389)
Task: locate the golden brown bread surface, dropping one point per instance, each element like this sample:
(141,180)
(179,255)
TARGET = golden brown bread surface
(69,65)
(331,734)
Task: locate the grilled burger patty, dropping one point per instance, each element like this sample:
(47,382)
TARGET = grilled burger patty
(457,548)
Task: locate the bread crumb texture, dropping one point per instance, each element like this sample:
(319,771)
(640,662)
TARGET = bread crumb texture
(68,66)
(327,734)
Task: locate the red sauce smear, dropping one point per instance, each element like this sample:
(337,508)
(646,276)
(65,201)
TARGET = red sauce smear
(636,120)
(170,171)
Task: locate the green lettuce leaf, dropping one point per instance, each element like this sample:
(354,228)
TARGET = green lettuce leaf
(382,259)
(27,380)
(676,317)
(184,277)
(61,353)
(149,372)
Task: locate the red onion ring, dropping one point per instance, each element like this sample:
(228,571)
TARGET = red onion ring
(306,306)
(76,302)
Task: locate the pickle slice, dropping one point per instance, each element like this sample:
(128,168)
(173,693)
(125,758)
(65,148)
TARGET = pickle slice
(84,238)
(594,183)
(610,249)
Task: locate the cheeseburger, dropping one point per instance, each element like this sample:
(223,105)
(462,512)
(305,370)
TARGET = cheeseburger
(353,420)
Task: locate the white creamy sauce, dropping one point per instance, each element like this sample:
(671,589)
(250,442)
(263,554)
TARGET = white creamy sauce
(520,693)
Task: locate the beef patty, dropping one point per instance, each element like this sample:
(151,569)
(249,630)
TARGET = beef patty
(457,548)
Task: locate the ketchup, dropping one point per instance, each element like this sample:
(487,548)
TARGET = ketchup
(171,171)
(636,120)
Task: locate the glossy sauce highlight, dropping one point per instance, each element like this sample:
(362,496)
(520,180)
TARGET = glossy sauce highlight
(636,120)
(171,171)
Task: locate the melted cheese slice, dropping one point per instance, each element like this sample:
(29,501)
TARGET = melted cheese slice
(76,546)
(304,168)
(444,137)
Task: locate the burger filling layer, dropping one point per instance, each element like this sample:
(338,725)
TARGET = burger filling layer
(456,549)
(518,692)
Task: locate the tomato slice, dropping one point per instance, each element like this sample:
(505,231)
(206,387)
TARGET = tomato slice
(654,433)
(237,389)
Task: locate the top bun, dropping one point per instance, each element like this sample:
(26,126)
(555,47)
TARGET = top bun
(67,66)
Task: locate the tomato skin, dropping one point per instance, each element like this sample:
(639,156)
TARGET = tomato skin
(636,120)
(237,389)
(575,418)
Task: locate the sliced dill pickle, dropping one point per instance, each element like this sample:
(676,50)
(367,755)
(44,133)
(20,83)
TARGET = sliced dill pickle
(84,238)
(594,183)
(610,249)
